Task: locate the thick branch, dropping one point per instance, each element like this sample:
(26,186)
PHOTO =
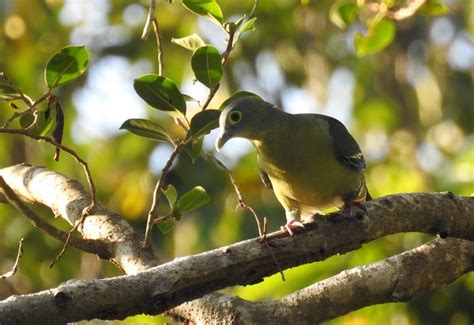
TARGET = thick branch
(398,278)
(184,279)
(67,199)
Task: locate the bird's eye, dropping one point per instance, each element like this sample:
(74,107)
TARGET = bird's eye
(235,117)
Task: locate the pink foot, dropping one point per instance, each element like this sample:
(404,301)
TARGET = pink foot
(291,223)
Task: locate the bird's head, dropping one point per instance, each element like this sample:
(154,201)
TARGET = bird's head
(244,118)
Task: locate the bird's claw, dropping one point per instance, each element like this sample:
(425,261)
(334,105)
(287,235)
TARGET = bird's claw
(291,224)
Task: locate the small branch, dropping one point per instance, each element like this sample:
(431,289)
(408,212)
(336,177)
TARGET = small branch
(149,19)
(19,255)
(152,21)
(93,247)
(156,28)
(254,9)
(243,204)
(157,191)
(406,11)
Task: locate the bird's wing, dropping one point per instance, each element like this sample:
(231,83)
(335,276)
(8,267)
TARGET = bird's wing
(266,180)
(345,147)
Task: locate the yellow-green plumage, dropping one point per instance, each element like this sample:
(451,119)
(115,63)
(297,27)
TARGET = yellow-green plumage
(311,160)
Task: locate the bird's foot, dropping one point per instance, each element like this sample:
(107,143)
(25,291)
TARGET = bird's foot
(291,224)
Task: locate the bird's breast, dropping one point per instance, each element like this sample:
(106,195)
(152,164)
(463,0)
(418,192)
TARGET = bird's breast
(311,176)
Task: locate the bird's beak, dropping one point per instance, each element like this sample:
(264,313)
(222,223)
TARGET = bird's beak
(222,139)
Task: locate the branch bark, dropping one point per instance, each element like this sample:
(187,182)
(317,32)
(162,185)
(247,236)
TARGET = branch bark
(161,288)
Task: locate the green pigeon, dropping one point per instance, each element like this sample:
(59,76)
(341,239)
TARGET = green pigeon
(309,160)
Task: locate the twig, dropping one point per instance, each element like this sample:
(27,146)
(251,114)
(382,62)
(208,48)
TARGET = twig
(180,146)
(254,8)
(156,28)
(406,11)
(152,21)
(90,246)
(159,185)
(27,100)
(262,232)
(149,19)
(17,261)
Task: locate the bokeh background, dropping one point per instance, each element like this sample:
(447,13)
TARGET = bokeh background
(410,106)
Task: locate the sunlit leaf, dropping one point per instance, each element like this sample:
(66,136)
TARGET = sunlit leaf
(378,37)
(166,226)
(207,65)
(171,194)
(194,149)
(249,25)
(207,8)
(239,94)
(203,122)
(433,8)
(45,123)
(194,199)
(191,42)
(160,93)
(146,128)
(66,66)
(343,13)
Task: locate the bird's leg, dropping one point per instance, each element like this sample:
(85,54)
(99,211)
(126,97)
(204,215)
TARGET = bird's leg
(292,217)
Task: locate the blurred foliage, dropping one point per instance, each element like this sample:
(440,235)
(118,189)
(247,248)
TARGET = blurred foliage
(409,104)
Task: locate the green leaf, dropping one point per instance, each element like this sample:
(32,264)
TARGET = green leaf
(191,42)
(45,122)
(147,129)
(194,149)
(171,195)
(8,93)
(166,226)
(26,120)
(379,36)
(433,8)
(239,94)
(66,66)
(343,13)
(207,65)
(207,8)
(160,93)
(249,25)
(203,122)
(194,199)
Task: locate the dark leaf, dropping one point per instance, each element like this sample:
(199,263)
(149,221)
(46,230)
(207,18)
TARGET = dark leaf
(207,65)
(146,128)
(160,93)
(204,122)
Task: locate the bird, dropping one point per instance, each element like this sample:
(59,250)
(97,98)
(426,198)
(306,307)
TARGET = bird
(311,161)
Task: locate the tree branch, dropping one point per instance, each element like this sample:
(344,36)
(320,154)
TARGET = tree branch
(161,288)
(67,199)
(398,278)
